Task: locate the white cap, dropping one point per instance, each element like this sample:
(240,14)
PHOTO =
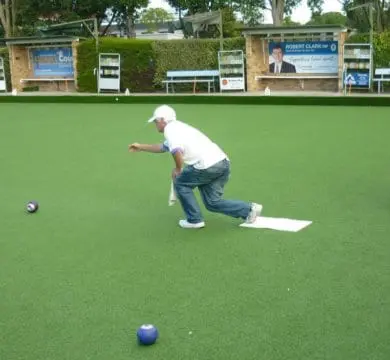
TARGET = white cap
(163,112)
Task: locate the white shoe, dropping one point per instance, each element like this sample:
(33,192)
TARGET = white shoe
(186,225)
(255,212)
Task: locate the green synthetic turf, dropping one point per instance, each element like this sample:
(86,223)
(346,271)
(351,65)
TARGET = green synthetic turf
(104,253)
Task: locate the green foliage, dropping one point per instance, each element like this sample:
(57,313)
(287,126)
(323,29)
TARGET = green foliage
(229,23)
(381,47)
(359,18)
(144,63)
(4,55)
(230,26)
(289,5)
(200,54)
(137,63)
(152,17)
(329,18)
(287,21)
(128,13)
(315,6)
(251,12)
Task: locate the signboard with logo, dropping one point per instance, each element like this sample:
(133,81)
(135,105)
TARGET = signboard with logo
(231,70)
(232,83)
(357,79)
(53,62)
(307,57)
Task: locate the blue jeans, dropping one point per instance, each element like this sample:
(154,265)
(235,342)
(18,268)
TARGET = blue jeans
(211,183)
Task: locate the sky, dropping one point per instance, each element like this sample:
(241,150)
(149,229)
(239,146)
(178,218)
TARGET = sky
(301,13)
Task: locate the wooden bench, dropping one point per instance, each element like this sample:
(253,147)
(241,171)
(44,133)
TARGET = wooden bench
(191,76)
(381,76)
(56,80)
(300,78)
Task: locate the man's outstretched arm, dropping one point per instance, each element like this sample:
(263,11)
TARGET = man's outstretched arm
(152,148)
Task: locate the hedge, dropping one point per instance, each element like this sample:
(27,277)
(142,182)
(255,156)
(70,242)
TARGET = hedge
(137,63)
(199,54)
(144,63)
(4,55)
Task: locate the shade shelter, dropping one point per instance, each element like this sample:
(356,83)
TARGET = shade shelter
(295,58)
(48,63)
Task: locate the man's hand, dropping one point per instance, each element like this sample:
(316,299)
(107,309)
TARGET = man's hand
(135,147)
(175,172)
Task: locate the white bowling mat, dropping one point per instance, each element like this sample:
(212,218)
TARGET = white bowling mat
(280,224)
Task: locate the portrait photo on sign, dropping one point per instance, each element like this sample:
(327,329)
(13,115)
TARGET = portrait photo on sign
(277,62)
(305,57)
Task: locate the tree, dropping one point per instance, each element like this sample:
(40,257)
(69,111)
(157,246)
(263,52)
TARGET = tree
(360,19)
(8,16)
(31,14)
(67,10)
(287,21)
(315,6)
(329,18)
(250,9)
(154,16)
(251,12)
(281,8)
(198,6)
(128,13)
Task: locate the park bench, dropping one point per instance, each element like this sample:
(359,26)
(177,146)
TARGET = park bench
(381,76)
(191,76)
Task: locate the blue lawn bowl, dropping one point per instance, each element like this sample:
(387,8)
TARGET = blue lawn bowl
(147,334)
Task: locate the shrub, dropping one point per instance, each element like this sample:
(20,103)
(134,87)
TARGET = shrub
(5,56)
(144,63)
(137,63)
(200,54)
(381,47)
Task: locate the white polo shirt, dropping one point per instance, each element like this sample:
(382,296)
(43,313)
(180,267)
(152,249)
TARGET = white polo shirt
(197,149)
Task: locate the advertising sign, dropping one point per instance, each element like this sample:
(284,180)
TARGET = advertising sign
(53,62)
(232,83)
(309,57)
(360,79)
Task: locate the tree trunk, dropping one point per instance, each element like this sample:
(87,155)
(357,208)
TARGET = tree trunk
(130,26)
(8,16)
(277,9)
(3,21)
(109,23)
(13,12)
(379,8)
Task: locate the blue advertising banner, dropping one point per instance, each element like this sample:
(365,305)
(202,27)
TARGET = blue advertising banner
(309,57)
(355,78)
(53,62)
